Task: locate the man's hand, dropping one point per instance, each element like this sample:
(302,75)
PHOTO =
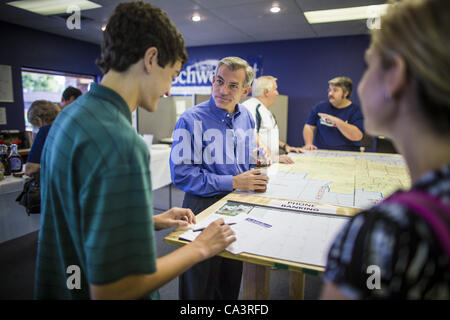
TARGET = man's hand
(288,149)
(309,147)
(175,217)
(267,154)
(214,239)
(251,180)
(285,159)
(330,118)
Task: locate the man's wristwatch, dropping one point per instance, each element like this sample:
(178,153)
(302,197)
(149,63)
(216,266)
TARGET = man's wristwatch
(284,147)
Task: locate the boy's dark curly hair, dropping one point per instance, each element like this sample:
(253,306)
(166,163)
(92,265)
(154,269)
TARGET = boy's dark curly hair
(132,29)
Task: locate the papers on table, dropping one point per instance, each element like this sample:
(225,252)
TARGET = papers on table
(345,179)
(302,206)
(230,212)
(279,234)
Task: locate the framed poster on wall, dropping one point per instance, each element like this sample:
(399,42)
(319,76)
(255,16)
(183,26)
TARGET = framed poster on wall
(6,88)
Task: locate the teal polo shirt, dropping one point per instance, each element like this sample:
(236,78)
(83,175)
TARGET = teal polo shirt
(97,210)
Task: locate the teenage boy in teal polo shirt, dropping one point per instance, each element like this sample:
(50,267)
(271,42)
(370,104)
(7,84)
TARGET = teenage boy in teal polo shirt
(97,239)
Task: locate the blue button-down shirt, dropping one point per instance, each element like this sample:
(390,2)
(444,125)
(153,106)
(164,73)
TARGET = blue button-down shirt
(210,146)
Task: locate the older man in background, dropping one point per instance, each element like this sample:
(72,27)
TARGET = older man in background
(265,92)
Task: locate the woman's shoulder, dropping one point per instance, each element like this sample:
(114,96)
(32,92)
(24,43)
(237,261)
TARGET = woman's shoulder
(44,130)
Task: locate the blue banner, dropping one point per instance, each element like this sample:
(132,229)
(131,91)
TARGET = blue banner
(196,76)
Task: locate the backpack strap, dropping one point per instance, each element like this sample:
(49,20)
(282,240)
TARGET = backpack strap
(258,118)
(432,209)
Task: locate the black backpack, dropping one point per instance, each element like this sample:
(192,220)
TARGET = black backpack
(30,197)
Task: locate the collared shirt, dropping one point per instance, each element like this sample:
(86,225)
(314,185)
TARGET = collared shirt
(210,146)
(97,210)
(268,130)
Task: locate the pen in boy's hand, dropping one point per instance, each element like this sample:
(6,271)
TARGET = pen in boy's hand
(201,229)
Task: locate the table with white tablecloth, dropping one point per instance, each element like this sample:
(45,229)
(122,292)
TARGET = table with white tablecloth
(11,184)
(14,221)
(159,167)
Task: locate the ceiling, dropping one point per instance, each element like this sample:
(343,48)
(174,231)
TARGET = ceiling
(223,21)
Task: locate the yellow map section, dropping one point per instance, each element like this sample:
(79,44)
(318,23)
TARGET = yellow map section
(379,177)
(346,174)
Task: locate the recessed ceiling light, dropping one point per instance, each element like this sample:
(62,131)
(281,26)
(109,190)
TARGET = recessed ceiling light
(345,14)
(49,7)
(275,9)
(196,18)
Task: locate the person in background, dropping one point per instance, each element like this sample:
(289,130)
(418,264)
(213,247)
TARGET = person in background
(97,226)
(206,180)
(69,95)
(264,94)
(336,124)
(41,115)
(400,249)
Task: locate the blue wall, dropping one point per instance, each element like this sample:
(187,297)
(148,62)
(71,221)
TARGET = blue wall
(24,47)
(303,68)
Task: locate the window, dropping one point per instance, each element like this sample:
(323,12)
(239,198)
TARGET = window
(49,85)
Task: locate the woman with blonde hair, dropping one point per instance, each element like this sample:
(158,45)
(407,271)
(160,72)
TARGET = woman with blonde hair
(401,247)
(41,115)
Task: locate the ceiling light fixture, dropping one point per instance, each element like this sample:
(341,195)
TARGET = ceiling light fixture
(196,18)
(345,14)
(50,7)
(275,9)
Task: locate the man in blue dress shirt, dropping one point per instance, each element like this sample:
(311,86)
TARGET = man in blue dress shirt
(212,154)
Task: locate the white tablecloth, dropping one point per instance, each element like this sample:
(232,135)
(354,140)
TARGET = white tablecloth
(11,184)
(159,167)
(14,222)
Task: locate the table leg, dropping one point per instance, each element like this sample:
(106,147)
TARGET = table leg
(256,282)
(296,285)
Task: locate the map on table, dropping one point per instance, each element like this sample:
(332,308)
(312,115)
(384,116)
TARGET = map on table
(347,179)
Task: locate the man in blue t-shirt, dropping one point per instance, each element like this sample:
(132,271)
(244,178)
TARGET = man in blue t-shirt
(336,124)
